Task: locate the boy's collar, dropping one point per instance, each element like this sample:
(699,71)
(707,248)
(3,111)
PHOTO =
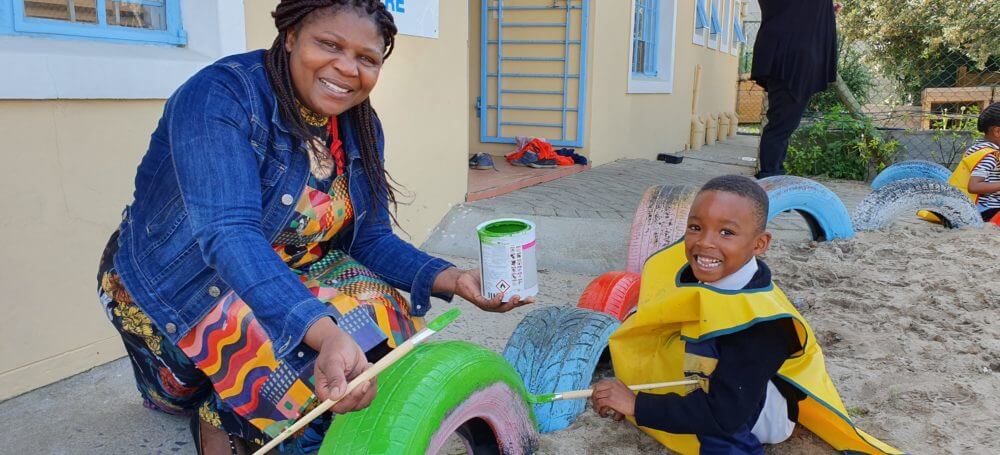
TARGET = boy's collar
(760,280)
(738,279)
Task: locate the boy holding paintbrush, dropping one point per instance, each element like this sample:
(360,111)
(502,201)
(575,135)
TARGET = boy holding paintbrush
(708,310)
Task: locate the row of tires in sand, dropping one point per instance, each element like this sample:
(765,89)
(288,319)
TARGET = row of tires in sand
(458,388)
(915,185)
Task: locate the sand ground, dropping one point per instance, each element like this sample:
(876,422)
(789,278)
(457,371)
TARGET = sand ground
(907,318)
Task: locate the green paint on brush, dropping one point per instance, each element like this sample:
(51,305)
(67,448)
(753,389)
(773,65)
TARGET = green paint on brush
(442,321)
(540,399)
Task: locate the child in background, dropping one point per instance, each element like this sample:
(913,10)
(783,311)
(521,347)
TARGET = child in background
(984,180)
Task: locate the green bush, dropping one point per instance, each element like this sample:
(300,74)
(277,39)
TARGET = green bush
(839,146)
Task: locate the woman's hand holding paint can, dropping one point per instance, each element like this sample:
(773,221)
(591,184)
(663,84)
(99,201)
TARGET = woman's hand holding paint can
(467,284)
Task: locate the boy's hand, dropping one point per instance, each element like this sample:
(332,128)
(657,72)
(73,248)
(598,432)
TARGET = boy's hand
(612,398)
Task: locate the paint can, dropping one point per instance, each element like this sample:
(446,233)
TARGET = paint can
(507,259)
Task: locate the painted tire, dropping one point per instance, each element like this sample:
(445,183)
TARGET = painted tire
(556,349)
(435,391)
(615,293)
(660,220)
(948,203)
(909,170)
(825,213)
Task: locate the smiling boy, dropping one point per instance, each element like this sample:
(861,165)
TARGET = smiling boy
(708,310)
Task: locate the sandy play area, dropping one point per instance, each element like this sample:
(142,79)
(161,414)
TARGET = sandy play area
(909,320)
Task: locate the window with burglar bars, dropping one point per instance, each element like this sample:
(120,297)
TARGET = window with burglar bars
(148,21)
(533,70)
(644,37)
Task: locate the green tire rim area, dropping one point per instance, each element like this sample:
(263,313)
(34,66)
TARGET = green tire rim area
(414,397)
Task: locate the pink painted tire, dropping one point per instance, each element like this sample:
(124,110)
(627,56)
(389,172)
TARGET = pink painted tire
(492,417)
(615,293)
(660,221)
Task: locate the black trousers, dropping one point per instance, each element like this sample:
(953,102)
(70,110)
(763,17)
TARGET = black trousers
(784,113)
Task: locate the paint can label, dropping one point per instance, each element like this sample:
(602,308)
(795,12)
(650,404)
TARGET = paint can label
(507,258)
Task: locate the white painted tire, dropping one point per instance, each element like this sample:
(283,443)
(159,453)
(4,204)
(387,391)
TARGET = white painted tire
(659,221)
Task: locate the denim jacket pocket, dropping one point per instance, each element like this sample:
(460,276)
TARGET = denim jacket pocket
(271,171)
(162,225)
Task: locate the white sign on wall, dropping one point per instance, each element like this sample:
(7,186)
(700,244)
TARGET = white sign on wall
(415,17)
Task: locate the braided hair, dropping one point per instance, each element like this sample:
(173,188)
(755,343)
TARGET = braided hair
(989,118)
(289,15)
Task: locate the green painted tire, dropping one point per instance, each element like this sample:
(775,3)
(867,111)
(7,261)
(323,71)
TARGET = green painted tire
(435,391)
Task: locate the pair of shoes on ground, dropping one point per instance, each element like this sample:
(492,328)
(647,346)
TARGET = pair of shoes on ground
(577,158)
(530,159)
(482,161)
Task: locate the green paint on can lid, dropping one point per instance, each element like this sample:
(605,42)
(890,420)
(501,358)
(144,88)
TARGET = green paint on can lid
(496,229)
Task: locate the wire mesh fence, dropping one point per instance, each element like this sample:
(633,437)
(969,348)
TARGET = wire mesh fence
(919,78)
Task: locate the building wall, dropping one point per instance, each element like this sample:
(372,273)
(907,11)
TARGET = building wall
(66,175)
(641,125)
(68,167)
(620,124)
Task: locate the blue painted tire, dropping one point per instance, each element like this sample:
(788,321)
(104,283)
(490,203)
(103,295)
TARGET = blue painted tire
(556,349)
(825,213)
(949,204)
(909,170)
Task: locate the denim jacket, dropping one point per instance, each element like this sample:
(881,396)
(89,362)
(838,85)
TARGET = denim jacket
(218,184)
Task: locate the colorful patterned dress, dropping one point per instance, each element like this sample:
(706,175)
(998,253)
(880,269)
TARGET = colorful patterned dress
(225,366)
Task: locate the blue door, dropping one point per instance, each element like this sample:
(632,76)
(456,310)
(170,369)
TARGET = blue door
(533,70)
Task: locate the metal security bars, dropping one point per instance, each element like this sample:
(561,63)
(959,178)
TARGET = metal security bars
(644,37)
(533,70)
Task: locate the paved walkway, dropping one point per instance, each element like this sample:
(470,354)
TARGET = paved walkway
(583,220)
(613,190)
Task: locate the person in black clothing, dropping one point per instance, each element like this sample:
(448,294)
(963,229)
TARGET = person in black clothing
(794,56)
(744,403)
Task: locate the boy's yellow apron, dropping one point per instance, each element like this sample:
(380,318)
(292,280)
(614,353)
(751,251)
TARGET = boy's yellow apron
(649,347)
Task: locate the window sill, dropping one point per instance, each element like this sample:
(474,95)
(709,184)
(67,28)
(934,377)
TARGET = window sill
(641,84)
(41,68)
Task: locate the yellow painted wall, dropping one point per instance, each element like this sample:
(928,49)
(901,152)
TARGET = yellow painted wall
(68,168)
(642,125)
(66,175)
(622,125)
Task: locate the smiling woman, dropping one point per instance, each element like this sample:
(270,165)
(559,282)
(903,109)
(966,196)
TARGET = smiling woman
(256,269)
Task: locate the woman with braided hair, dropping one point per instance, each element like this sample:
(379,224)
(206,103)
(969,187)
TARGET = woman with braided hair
(256,269)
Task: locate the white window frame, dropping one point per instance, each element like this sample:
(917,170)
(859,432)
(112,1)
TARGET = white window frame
(54,68)
(727,18)
(663,82)
(700,33)
(713,38)
(737,17)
